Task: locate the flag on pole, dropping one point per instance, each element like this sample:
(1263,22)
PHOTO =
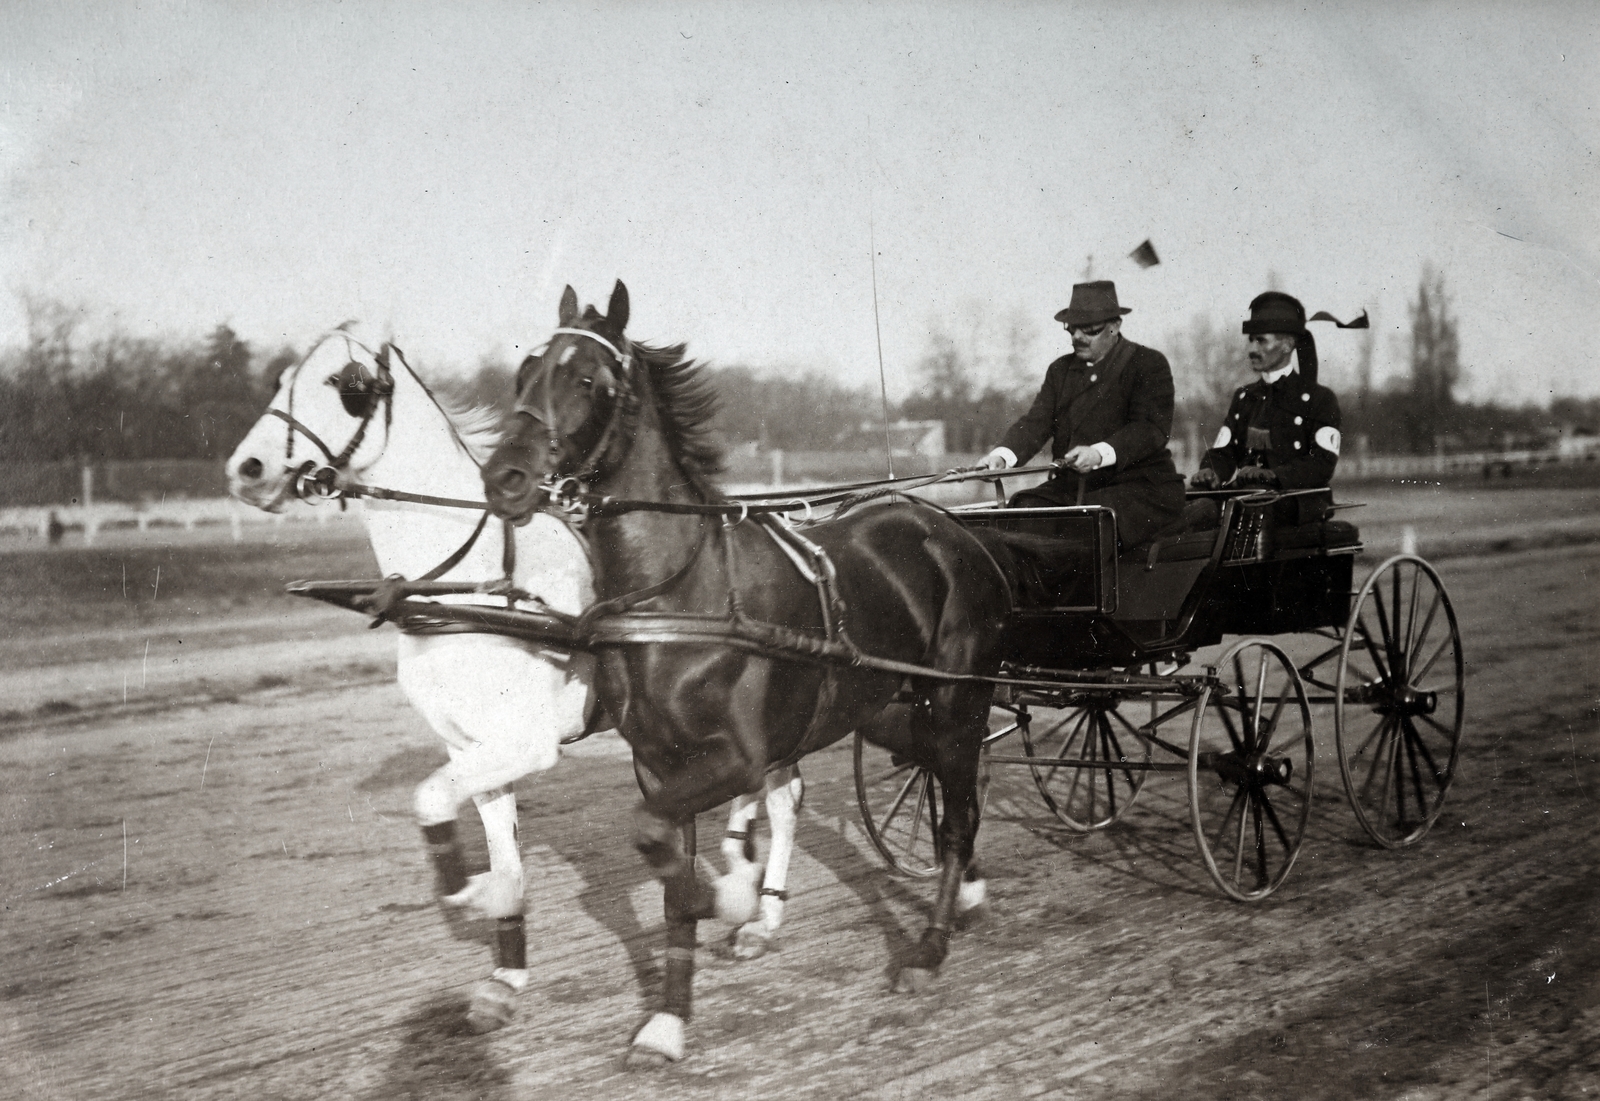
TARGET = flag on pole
(1145,255)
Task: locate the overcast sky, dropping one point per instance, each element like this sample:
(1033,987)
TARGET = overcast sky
(440,171)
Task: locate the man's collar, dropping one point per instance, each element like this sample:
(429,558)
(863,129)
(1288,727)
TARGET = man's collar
(1282,372)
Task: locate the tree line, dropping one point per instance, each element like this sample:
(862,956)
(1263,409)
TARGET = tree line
(68,396)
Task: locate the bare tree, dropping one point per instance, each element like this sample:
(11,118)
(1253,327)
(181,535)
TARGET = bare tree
(1435,362)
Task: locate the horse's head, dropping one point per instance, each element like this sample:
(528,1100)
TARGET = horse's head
(319,427)
(571,396)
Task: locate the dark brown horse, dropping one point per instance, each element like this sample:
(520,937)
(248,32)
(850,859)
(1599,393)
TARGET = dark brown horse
(739,647)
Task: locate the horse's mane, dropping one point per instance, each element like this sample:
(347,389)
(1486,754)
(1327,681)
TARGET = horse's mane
(686,402)
(478,427)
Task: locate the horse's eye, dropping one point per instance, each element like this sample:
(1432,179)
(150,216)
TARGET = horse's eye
(586,382)
(332,380)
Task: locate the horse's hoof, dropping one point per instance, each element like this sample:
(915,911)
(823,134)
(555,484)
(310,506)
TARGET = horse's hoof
(658,1043)
(914,980)
(492,1005)
(749,942)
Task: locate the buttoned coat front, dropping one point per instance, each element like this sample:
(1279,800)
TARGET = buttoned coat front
(1296,432)
(1126,401)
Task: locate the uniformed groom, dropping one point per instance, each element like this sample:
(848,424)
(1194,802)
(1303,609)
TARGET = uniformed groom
(1107,411)
(1281,431)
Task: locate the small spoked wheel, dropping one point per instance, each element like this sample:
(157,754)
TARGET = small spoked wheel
(1250,759)
(899,808)
(1398,701)
(1082,770)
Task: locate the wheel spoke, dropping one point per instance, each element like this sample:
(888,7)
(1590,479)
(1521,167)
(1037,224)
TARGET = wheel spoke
(1115,743)
(1409,734)
(1381,758)
(1239,799)
(1411,617)
(1262,878)
(1396,773)
(1374,735)
(916,818)
(1389,640)
(1379,666)
(1077,773)
(1277,826)
(1111,777)
(1227,722)
(1427,755)
(1255,712)
(1416,678)
(900,798)
(1422,635)
(1326,655)
(1272,722)
(1440,727)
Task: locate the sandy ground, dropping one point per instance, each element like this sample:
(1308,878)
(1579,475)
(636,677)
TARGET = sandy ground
(214,890)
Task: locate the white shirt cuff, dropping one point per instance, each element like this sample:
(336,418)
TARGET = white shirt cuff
(1007,454)
(1107,453)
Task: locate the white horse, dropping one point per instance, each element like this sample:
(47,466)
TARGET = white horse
(347,414)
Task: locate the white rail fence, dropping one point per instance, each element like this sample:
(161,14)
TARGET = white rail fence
(81,512)
(51,523)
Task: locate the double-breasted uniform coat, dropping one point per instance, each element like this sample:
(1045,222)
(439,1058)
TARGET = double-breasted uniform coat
(1125,400)
(1289,426)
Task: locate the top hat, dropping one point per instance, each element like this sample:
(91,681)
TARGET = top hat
(1276,312)
(1092,303)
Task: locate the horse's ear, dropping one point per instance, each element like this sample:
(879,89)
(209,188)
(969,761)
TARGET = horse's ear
(617,311)
(569,306)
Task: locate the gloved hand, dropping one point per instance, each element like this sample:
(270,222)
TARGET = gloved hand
(1254,476)
(1204,478)
(994,460)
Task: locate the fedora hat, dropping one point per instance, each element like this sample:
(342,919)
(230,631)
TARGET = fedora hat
(1092,303)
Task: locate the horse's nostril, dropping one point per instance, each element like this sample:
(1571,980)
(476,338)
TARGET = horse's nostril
(250,468)
(511,479)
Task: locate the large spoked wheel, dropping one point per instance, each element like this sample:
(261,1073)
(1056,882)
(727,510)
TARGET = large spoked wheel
(1250,760)
(1096,792)
(1398,701)
(899,808)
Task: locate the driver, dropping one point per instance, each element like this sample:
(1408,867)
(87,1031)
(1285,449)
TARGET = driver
(1107,410)
(1281,431)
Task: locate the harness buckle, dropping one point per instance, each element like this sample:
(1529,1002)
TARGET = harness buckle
(568,497)
(315,483)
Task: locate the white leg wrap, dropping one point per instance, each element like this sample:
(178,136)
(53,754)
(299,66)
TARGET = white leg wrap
(973,893)
(771,913)
(490,895)
(662,1034)
(737,898)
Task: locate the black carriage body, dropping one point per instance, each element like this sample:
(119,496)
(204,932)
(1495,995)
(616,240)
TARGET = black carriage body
(1272,564)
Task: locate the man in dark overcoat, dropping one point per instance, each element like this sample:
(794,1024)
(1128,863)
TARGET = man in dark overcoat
(1281,431)
(1107,411)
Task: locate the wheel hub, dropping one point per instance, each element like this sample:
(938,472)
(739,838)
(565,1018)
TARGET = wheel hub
(1257,770)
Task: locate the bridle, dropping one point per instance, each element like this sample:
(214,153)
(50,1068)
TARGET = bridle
(589,467)
(361,394)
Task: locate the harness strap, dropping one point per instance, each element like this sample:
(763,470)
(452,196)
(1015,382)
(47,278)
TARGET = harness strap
(622,603)
(358,489)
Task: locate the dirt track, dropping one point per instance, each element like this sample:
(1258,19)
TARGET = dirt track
(269,933)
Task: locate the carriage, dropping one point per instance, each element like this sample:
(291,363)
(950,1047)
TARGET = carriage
(1099,694)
